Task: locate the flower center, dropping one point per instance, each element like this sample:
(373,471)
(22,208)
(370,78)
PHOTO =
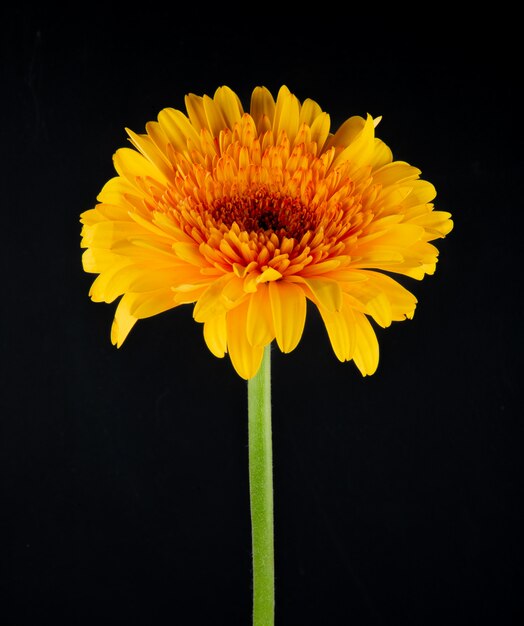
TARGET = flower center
(260,210)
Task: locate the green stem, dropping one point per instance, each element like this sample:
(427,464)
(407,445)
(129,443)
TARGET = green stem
(261,492)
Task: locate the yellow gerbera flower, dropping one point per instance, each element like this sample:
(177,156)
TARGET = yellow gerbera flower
(248,215)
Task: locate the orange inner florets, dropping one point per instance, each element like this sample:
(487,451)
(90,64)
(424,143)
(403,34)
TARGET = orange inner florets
(280,200)
(262,210)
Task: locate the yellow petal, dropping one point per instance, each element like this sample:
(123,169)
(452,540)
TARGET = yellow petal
(152,303)
(347,275)
(188,295)
(90,217)
(113,212)
(211,303)
(149,226)
(422,192)
(131,165)
(196,112)
(262,106)
(133,307)
(123,280)
(99,289)
(147,248)
(288,307)
(436,223)
(378,307)
(326,291)
(398,237)
(360,151)
(347,132)
(145,145)
(401,302)
(215,335)
(229,104)
(96,260)
(215,119)
(366,346)
(287,114)
(151,278)
(123,321)
(321,268)
(259,327)
(105,234)
(245,358)
(341,329)
(395,172)
(233,290)
(178,129)
(393,197)
(115,189)
(189,252)
(320,130)
(309,111)
(381,155)
(158,137)
(269,275)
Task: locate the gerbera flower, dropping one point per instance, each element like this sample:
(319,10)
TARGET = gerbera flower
(250,214)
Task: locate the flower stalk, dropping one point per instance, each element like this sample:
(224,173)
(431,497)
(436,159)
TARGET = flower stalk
(261,492)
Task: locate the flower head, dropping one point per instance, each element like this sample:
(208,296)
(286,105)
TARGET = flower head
(247,215)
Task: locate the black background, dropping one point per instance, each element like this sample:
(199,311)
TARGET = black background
(124,493)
